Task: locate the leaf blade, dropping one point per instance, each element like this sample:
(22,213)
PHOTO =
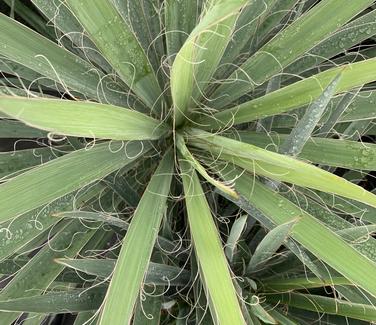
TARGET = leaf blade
(83,119)
(22,187)
(214,269)
(142,233)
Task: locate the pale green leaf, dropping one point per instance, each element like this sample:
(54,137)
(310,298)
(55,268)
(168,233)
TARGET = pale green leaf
(63,175)
(83,119)
(201,53)
(295,95)
(142,234)
(211,259)
(118,44)
(156,274)
(326,305)
(278,167)
(24,46)
(292,42)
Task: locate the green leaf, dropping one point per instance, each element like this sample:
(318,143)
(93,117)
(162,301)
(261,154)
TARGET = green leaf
(292,43)
(329,152)
(57,12)
(200,169)
(83,317)
(156,274)
(213,266)
(309,232)
(295,95)
(348,36)
(276,166)
(234,236)
(118,44)
(15,162)
(31,18)
(80,119)
(301,133)
(326,305)
(25,228)
(180,20)
(40,271)
(246,31)
(22,45)
(260,312)
(58,302)
(104,217)
(144,17)
(141,235)
(201,53)
(304,283)
(15,129)
(280,318)
(63,175)
(269,245)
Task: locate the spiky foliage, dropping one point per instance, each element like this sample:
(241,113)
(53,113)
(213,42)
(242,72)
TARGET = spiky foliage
(188,161)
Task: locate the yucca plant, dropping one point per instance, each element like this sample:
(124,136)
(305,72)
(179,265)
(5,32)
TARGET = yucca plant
(188,161)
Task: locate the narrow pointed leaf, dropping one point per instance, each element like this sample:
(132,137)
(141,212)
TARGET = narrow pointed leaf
(348,36)
(278,167)
(144,17)
(12,162)
(211,259)
(330,152)
(301,133)
(269,245)
(247,30)
(260,312)
(309,232)
(234,236)
(24,46)
(15,129)
(63,175)
(25,228)
(295,95)
(326,305)
(63,19)
(304,283)
(40,271)
(142,234)
(82,119)
(201,53)
(118,44)
(157,274)
(200,169)
(293,41)
(180,20)
(58,302)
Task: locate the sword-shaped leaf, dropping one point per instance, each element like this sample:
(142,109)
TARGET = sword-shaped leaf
(276,166)
(137,247)
(201,53)
(295,95)
(83,119)
(118,44)
(306,32)
(213,267)
(63,175)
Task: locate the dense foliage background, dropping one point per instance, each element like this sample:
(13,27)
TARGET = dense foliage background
(183,217)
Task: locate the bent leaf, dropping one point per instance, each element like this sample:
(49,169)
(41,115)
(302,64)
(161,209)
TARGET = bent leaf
(276,166)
